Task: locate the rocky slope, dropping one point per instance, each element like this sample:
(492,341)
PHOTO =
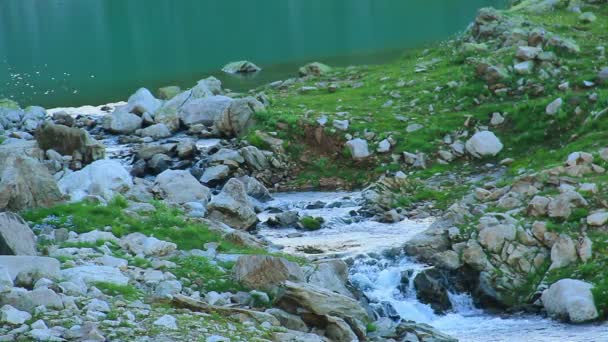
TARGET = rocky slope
(137,221)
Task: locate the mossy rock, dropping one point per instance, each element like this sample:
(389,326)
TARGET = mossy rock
(311,223)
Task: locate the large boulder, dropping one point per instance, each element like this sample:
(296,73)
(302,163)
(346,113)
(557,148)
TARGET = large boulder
(68,140)
(314,69)
(331,274)
(16,237)
(156,131)
(358,148)
(232,206)
(204,110)
(30,300)
(95,274)
(181,187)
(142,102)
(484,144)
(265,272)
(319,301)
(238,117)
(25,183)
(570,300)
(104,178)
(122,122)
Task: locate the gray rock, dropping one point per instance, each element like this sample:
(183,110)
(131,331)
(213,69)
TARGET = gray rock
(484,144)
(203,111)
(159,163)
(563,252)
(287,320)
(16,237)
(167,322)
(142,102)
(122,122)
(255,189)
(181,187)
(28,300)
(95,274)
(265,272)
(237,118)
(10,315)
(156,131)
(254,158)
(331,274)
(66,140)
(570,300)
(341,124)
(167,288)
(214,174)
(37,267)
(603,75)
(25,183)
(105,178)
(232,206)
(241,67)
(554,107)
(314,69)
(358,149)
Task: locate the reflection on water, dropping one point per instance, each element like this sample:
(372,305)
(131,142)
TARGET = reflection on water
(74,52)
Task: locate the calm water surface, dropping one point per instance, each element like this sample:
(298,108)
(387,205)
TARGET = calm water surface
(75,52)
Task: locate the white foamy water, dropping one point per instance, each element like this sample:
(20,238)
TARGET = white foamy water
(381,280)
(342,234)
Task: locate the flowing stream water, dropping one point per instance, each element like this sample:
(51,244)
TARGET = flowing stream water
(348,235)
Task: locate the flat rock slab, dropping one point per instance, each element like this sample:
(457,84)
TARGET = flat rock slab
(44,266)
(95,274)
(16,237)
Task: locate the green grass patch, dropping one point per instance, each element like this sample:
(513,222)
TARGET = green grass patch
(311,223)
(164,223)
(206,275)
(128,292)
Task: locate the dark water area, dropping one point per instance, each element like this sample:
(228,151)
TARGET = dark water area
(76,52)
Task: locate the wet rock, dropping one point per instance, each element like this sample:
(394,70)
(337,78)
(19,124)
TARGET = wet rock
(570,300)
(241,67)
(484,144)
(122,122)
(159,163)
(16,237)
(232,206)
(67,140)
(105,178)
(181,187)
(431,288)
(265,272)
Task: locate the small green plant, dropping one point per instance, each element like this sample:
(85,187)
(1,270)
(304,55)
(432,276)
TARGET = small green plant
(311,223)
(128,292)
(371,327)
